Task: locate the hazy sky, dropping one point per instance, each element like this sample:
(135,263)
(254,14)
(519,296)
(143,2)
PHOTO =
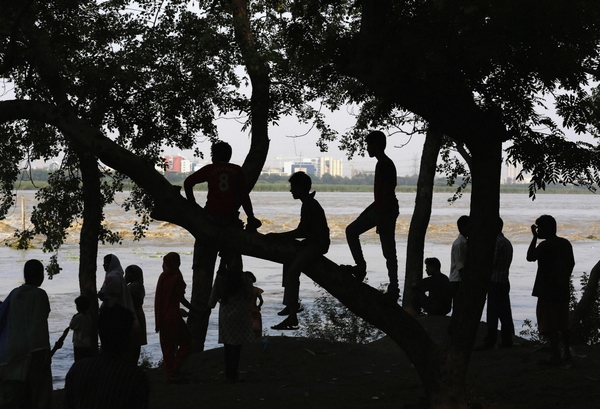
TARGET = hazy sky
(404,151)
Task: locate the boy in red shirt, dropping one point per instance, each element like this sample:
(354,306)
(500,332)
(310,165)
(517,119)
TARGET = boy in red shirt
(227,191)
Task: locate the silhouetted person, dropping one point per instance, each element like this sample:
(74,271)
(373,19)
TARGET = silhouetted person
(114,288)
(25,342)
(498,298)
(82,327)
(382,214)
(254,306)
(227,191)
(233,290)
(458,256)
(433,292)
(134,277)
(315,232)
(555,265)
(110,379)
(175,337)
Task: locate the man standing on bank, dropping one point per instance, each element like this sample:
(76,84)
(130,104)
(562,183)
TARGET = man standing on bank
(555,265)
(382,214)
(498,298)
(458,257)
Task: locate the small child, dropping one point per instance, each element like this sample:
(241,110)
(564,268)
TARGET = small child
(233,290)
(255,303)
(81,324)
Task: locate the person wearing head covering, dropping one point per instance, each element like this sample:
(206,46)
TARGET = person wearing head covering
(175,337)
(114,289)
(134,277)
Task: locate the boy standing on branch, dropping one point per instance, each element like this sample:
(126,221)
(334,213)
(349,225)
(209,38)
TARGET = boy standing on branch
(382,214)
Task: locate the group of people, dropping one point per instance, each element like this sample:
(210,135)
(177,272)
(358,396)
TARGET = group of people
(25,352)
(438,294)
(108,378)
(227,191)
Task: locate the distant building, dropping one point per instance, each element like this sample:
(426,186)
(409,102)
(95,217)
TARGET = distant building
(186,166)
(512,171)
(316,167)
(309,168)
(178,164)
(329,165)
(274,171)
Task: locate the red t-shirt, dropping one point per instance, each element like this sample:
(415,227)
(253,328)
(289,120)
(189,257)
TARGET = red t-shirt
(227,189)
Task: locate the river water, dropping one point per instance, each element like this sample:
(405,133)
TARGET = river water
(577,216)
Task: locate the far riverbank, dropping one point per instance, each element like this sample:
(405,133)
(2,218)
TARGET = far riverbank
(263,186)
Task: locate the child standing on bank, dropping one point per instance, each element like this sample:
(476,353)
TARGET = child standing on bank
(81,324)
(255,303)
(233,290)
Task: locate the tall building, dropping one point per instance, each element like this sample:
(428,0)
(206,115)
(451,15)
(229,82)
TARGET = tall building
(186,166)
(178,164)
(329,165)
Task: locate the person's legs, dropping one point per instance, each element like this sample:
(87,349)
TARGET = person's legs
(547,317)
(183,346)
(237,353)
(203,268)
(454,288)
(365,221)
(292,285)
(554,338)
(507,330)
(387,235)
(563,326)
(169,350)
(421,301)
(232,355)
(38,389)
(493,303)
(229,362)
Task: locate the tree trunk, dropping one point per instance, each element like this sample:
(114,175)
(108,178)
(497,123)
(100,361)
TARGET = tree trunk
(260,101)
(420,219)
(485,206)
(258,72)
(90,230)
(582,308)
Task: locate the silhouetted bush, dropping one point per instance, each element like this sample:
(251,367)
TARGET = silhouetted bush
(332,321)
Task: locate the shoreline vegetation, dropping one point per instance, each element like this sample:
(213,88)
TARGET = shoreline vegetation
(283,186)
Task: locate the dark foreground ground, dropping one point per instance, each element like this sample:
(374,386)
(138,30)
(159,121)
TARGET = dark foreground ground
(290,373)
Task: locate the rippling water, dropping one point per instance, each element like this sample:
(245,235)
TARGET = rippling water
(577,216)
